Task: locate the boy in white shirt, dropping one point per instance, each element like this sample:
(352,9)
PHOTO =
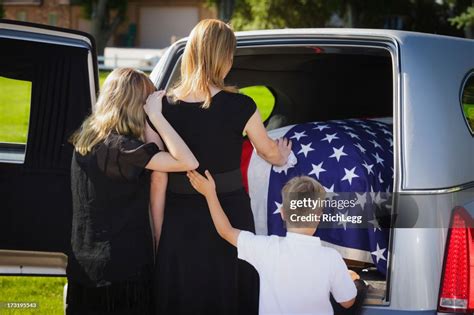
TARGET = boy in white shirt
(297,274)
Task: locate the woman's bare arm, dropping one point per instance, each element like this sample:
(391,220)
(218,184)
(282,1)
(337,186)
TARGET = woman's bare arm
(159,181)
(275,152)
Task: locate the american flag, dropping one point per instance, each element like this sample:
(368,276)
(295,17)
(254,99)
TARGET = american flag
(351,157)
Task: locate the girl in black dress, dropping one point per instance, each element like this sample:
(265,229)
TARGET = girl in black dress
(110,266)
(196,271)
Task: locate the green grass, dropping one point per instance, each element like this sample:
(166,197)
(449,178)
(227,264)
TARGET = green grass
(14,109)
(469,112)
(47,292)
(102,76)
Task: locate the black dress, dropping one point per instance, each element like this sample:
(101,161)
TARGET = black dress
(111,262)
(197,272)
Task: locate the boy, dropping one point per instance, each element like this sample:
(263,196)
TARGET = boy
(297,274)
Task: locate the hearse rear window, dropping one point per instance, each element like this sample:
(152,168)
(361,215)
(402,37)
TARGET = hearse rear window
(467,102)
(15,99)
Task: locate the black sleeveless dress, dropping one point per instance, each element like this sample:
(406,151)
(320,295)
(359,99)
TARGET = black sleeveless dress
(110,266)
(198,272)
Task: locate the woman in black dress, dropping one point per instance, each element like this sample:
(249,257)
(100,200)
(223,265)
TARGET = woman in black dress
(111,262)
(197,272)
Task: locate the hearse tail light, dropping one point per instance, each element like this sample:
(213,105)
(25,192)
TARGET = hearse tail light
(457,280)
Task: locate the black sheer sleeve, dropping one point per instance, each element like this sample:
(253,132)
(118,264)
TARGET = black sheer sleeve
(125,157)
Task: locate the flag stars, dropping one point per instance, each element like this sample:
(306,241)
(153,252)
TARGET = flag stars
(343,222)
(380,178)
(321,127)
(331,192)
(376,144)
(370,132)
(353,135)
(298,135)
(278,207)
(361,200)
(305,149)
(375,223)
(360,147)
(350,174)
(378,159)
(347,128)
(338,153)
(329,137)
(378,253)
(317,169)
(368,167)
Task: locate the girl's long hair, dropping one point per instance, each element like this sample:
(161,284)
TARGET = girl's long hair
(207,55)
(119,108)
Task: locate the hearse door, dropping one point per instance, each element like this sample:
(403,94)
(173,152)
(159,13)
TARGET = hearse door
(48,83)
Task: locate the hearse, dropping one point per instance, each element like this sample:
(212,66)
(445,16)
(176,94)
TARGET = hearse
(422,84)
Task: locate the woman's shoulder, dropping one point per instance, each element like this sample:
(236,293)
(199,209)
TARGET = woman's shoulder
(237,97)
(241,104)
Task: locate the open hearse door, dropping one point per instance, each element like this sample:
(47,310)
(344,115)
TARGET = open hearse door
(58,67)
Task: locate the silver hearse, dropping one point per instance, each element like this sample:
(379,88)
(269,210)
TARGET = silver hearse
(423,83)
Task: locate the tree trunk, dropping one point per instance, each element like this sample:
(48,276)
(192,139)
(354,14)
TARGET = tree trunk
(225,8)
(469,31)
(101,26)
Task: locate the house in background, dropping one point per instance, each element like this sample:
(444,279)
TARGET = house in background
(148,23)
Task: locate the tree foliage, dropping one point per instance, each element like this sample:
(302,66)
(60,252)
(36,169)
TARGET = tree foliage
(464,19)
(417,15)
(269,14)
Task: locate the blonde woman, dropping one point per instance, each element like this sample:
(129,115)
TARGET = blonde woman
(110,265)
(197,272)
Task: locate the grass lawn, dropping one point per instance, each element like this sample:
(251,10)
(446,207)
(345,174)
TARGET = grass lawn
(469,112)
(47,292)
(14,109)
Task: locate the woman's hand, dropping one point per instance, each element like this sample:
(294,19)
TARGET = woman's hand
(275,152)
(204,185)
(154,103)
(284,147)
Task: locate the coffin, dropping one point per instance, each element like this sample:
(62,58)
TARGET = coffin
(352,159)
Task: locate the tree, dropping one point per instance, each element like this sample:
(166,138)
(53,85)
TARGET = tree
(267,14)
(2,12)
(106,16)
(225,8)
(464,16)
(430,16)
